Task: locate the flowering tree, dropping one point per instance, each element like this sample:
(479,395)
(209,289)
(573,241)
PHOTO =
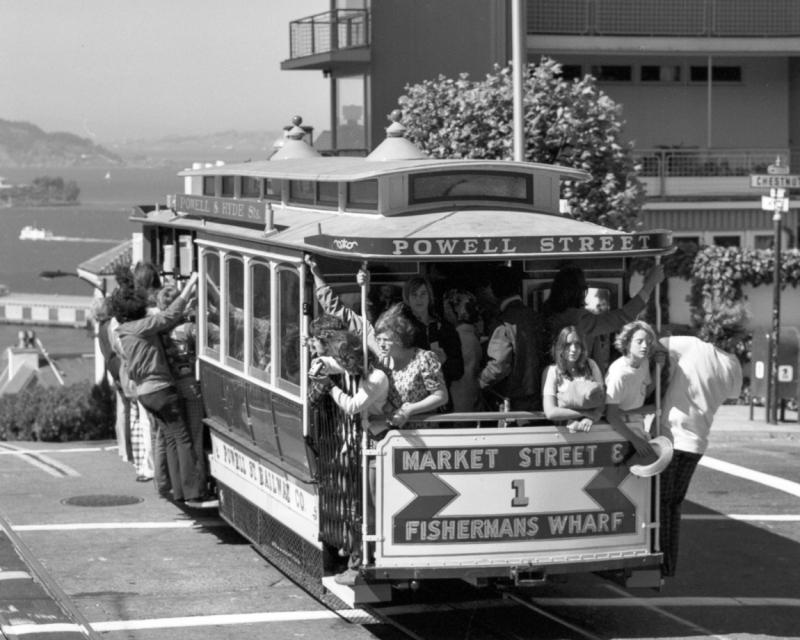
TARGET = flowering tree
(571,123)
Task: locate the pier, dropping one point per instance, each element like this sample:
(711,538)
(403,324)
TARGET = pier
(43,309)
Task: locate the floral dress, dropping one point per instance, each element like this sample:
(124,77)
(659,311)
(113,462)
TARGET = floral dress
(416,381)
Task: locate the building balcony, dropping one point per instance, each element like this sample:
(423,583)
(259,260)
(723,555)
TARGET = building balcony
(338,38)
(706,173)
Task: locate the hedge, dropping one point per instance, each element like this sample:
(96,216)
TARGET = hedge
(81,411)
(717,275)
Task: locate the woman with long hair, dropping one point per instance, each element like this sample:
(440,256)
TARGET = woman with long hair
(434,333)
(573,387)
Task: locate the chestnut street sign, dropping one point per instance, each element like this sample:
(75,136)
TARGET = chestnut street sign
(765,181)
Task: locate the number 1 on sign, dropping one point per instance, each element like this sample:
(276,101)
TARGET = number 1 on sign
(520,499)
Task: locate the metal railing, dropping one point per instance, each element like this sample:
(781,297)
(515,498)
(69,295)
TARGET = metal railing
(720,18)
(707,163)
(329,31)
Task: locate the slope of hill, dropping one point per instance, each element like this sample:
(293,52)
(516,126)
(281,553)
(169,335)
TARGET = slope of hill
(23,144)
(230,146)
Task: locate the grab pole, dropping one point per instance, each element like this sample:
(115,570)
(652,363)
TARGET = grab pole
(657,483)
(365,506)
(364,324)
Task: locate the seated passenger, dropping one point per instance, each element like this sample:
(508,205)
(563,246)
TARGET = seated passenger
(573,387)
(417,382)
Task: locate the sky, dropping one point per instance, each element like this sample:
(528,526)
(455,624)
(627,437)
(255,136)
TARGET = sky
(113,70)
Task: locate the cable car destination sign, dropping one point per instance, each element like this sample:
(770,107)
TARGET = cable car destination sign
(437,493)
(414,247)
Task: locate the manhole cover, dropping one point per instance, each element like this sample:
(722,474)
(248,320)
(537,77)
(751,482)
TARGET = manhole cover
(101,501)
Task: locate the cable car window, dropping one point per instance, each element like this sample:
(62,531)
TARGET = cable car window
(235,306)
(363,195)
(289,329)
(212,303)
(261,330)
(328,193)
(228,186)
(302,191)
(471,185)
(251,187)
(272,189)
(209,185)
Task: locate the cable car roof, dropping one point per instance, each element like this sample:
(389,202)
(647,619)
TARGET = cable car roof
(455,234)
(348,169)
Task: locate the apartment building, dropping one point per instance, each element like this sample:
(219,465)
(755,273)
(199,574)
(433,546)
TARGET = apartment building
(710,89)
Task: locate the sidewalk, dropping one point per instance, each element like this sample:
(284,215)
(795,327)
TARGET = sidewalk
(736,417)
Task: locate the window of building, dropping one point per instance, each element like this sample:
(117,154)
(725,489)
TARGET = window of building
(687,243)
(235,305)
(571,71)
(764,241)
(718,74)
(288,329)
(261,332)
(660,73)
(251,187)
(363,195)
(211,291)
(228,186)
(209,185)
(351,113)
(726,240)
(612,72)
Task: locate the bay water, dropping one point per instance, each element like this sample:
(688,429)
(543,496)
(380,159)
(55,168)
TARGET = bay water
(106,201)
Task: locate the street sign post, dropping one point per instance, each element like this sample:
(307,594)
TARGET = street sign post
(777,179)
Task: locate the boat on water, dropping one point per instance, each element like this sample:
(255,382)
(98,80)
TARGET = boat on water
(32,232)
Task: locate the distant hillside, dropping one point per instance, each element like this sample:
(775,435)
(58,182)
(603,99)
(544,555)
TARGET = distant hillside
(230,146)
(23,144)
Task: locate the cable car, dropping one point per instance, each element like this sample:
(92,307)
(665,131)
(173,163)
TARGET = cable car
(512,498)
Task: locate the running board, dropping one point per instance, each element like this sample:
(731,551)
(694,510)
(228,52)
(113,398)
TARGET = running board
(360,593)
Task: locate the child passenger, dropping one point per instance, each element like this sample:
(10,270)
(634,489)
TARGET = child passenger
(628,383)
(573,387)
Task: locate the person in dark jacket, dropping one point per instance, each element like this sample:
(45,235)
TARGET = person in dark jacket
(512,375)
(566,305)
(140,337)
